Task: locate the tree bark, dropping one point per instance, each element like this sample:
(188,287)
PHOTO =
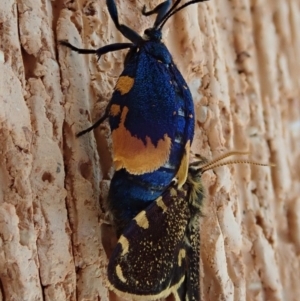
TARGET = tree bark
(241,61)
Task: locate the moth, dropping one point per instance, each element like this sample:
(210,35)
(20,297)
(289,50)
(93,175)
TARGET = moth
(151,116)
(158,253)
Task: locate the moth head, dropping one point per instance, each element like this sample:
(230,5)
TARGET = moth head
(164,11)
(152,34)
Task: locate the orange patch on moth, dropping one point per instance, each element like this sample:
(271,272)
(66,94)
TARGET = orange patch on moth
(133,154)
(184,165)
(124,84)
(115,110)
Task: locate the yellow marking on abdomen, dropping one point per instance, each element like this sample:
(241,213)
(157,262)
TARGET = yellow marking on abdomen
(142,220)
(173,192)
(133,154)
(181,256)
(124,84)
(160,203)
(163,294)
(123,241)
(120,273)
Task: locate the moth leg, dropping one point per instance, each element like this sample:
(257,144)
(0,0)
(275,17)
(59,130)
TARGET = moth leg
(100,51)
(126,31)
(96,124)
(105,220)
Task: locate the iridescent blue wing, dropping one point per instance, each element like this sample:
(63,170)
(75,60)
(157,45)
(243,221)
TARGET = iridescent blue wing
(151,112)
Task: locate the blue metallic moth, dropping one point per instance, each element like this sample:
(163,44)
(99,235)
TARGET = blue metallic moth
(151,116)
(158,253)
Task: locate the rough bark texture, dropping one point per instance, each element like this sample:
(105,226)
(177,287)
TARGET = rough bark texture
(241,61)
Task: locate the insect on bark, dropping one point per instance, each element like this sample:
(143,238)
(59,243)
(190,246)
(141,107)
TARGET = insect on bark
(151,116)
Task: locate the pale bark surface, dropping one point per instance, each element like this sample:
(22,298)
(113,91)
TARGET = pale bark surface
(241,61)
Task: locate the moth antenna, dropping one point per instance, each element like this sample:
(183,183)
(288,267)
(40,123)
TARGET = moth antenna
(211,166)
(173,11)
(205,163)
(167,15)
(224,156)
